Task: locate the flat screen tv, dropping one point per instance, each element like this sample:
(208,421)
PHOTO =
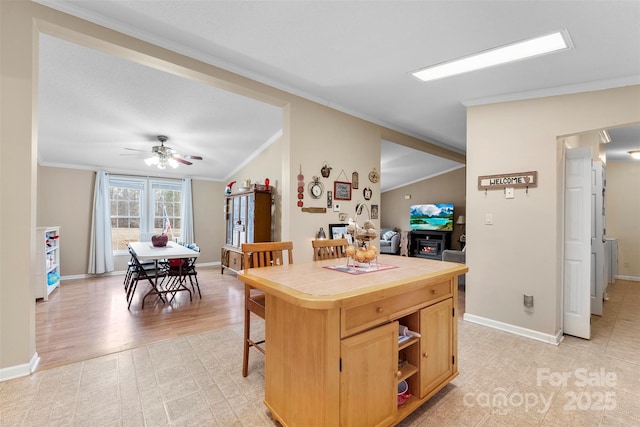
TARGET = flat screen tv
(437,216)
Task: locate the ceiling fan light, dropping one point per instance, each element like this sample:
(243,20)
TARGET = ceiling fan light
(173,163)
(153,160)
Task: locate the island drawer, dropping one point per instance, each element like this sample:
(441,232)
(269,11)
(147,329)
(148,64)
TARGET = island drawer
(360,317)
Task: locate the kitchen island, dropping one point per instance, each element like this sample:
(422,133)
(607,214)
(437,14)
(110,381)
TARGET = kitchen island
(332,335)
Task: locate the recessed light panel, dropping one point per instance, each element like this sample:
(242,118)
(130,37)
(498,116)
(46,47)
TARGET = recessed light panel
(525,49)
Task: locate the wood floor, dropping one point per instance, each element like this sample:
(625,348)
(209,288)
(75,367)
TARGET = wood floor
(86,318)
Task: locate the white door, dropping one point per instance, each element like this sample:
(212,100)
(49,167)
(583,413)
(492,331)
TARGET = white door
(598,277)
(577,243)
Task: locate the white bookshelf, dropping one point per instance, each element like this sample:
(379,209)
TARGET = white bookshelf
(47,261)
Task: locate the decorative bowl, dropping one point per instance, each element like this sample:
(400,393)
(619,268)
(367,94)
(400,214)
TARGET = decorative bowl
(159,240)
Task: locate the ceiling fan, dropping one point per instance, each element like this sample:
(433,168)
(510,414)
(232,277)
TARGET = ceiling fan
(163,156)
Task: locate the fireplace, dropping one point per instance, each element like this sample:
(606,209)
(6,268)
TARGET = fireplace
(429,243)
(428,248)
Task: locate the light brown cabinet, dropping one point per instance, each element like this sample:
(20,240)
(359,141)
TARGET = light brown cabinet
(369,350)
(333,343)
(247,220)
(427,362)
(436,346)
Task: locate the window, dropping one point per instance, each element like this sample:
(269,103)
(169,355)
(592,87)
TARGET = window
(143,205)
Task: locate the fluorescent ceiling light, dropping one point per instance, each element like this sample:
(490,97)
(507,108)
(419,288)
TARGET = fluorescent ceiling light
(513,52)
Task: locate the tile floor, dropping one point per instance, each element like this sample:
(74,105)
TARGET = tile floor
(504,380)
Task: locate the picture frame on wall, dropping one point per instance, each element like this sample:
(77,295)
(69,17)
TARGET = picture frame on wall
(339,231)
(341,190)
(374,211)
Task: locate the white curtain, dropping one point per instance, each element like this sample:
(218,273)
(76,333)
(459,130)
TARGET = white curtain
(187,212)
(100,252)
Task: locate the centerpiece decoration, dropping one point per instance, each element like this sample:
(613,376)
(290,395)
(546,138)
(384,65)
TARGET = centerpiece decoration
(361,252)
(159,240)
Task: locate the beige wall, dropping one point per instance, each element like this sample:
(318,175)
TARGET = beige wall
(622,203)
(521,253)
(446,188)
(65,198)
(311,134)
(269,164)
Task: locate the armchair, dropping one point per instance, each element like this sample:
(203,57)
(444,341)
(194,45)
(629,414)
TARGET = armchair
(389,241)
(452,255)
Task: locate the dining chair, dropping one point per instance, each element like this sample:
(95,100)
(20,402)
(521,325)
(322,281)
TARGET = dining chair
(181,269)
(255,255)
(131,268)
(329,248)
(142,273)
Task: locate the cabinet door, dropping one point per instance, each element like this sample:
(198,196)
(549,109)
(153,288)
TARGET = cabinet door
(368,381)
(244,220)
(436,345)
(228,217)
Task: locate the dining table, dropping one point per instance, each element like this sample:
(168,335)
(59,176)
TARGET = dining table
(145,251)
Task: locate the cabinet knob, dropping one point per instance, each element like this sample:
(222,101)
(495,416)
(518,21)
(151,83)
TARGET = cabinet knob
(398,374)
(378,309)
(425,354)
(433,291)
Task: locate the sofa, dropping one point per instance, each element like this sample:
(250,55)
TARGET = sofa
(389,241)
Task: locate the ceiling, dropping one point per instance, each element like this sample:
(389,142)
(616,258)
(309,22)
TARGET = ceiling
(350,55)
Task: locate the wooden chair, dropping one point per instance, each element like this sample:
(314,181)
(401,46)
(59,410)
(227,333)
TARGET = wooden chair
(329,248)
(268,254)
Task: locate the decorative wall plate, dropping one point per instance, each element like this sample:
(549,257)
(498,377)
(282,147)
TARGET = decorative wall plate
(374,176)
(367,193)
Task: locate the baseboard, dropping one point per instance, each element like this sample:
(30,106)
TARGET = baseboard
(631,278)
(120,273)
(517,330)
(18,371)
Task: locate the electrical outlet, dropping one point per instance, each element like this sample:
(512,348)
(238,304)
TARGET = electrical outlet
(528,300)
(528,303)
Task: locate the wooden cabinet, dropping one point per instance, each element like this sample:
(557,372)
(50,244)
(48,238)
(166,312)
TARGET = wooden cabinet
(437,359)
(333,342)
(369,350)
(247,220)
(427,362)
(47,268)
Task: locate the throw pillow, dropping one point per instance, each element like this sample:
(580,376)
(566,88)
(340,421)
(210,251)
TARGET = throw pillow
(388,235)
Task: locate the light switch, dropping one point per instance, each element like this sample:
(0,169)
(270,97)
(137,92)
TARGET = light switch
(488,219)
(509,193)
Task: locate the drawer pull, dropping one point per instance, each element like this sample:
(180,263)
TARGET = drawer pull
(378,309)
(433,291)
(425,355)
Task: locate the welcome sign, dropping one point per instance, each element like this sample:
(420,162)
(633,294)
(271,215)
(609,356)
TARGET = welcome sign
(517,179)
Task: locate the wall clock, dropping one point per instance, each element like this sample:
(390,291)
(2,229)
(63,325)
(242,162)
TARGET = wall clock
(316,188)
(374,176)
